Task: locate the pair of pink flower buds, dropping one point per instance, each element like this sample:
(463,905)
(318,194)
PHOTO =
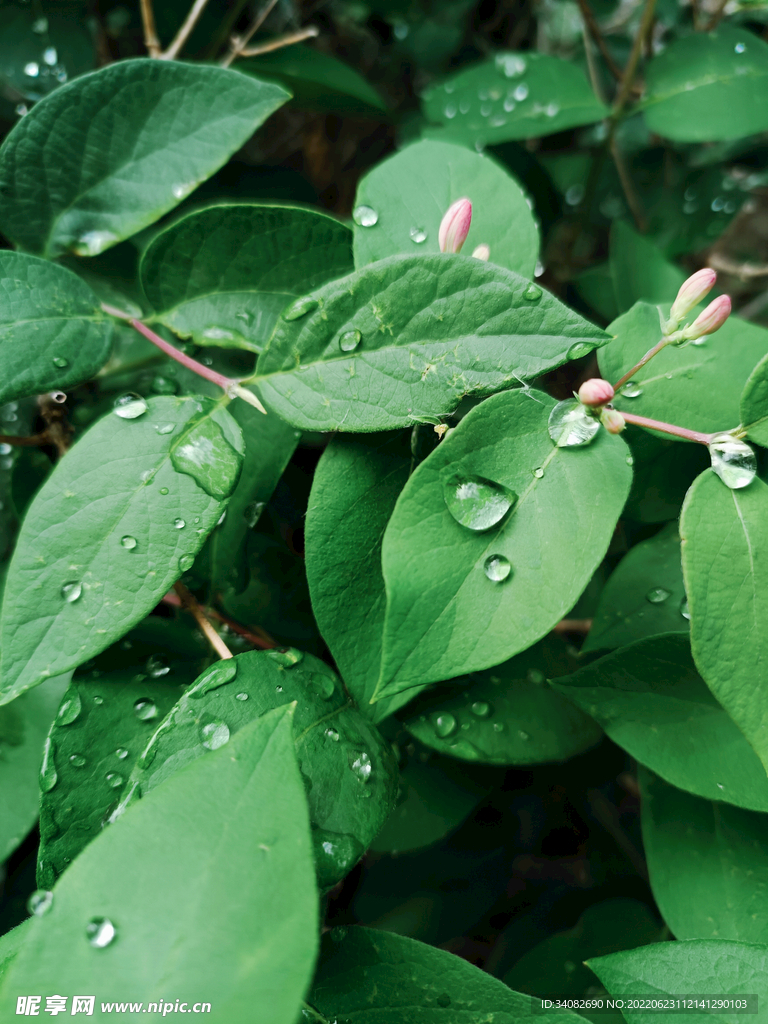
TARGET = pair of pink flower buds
(454,229)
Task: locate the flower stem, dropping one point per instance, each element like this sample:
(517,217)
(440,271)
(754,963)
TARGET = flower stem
(189,602)
(667,428)
(646,359)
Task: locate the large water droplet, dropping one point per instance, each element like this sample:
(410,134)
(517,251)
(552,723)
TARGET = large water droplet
(286,657)
(32,69)
(475,502)
(570,425)
(631,390)
(207,456)
(322,685)
(360,763)
(657,595)
(733,461)
(114,781)
(497,568)
(533,293)
(40,902)
(130,406)
(365,216)
(128,542)
(214,735)
(445,725)
(70,709)
(71,592)
(186,562)
(481,709)
(145,709)
(350,340)
(300,308)
(100,932)
(418,235)
(48,774)
(217,675)
(579,349)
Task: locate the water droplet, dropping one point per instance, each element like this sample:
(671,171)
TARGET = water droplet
(535,676)
(570,425)
(631,390)
(533,293)
(286,657)
(206,455)
(684,609)
(510,65)
(100,700)
(449,111)
(360,763)
(21,109)
(60,362)
(498,727)
(574,194)
(509,104)
(657,595)
(444,1000)
(121,753)
(552,110)
(321,685)
(219,674)
(365,216)
(523,735)
(77,760)
(145,709)
(481,708)
(179,524)
(581,348)
(475,502)
(71,592)
(214,735)
(100,932)
(521,92)
(165,428)
(252,512)
(70,710)
(186,562)
(32,69)
(739,48)
(538,472)
(418,235)
(445,725)
(40,26)
(349,340)
(241,696)
(114,781)
(497,568)
(48,774)
(130,406)
(50,57)
(157,666)
(733,461)
(332,734)
(40,902)
(300,308)
(629,460)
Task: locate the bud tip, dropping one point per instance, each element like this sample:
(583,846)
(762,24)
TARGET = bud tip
(454,226)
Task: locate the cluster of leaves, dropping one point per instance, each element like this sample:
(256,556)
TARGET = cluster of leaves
(212,735)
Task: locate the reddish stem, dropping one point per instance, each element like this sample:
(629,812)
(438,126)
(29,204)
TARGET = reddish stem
(646,358)
(667,428)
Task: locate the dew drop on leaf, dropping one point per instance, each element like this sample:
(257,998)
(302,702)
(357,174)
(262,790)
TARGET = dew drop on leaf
(481,709)
(157,666)
(523,735)
(100,932)
(631,390)
(739,48)
(58,397)
(538,472)
(128,542)
(286,657)
(50,57)
(657,595)
(164,428)
(498,727)
(350,340)
(114,781)
(332,734)
(475,502)
(497,568)
(445,725)
(217,675)
(77,760)
(521,92)
(32,69)
(207,456)
(241,696)
(365,216)
(418,235)
(70,710)
(163,490)
(300,308)
(684,609)
(579,349)
(322,685)
(733,461)
(40,902)
(121,753)
(130,406)
(179,524)
(214,735)
(60,362)
(145,709)
(360,763)
(186,562)
(570,425)
(48,774)
(252,512)
(535,676)
(533,293)
(71,592)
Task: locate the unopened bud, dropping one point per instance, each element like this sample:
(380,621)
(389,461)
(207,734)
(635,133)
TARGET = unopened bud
(482,252)
(595,392)
(454,226)
(612,420)
(691,293)
(710,320)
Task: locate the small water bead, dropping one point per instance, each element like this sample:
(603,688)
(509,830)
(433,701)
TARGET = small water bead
(71,592)
(497,568)
(449,110)
(419,235)
(114,781)
(70,710)
(332,734)
(523,735)
(481,709)
(509,104)
(40,902)
(241,696)
(100,932)
(100,700)
(574,194)
(50,57)
(350,340)
(535,676)
(521,92)
(365,216)
(629,460)
(570,425)
(40,26)
(657,595)
(485,109)
(179,524)
(252,512)
(165,428)
(32,69)
(552,110)
(60,362)
(48,774)
(538,472)
(145,709)
(300,308)
(445,725)
(498,727)
(129,406)
(214,735)
(684,609)
(360,763)
(121,753)
(631,390)
(128,542)
(164,385)
(186,562)
(511,65)
(475,502)
(286,657)
(733,461)
(739,48)
(77,760)
(157,666)
(533,293)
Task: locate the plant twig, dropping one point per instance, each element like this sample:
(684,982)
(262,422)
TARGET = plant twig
(646,359)
(277,44)
(633,202)
(714,21)
(184,32)
(151,41)
(628,78)
(607,815)
(667,428)
(746,271)
(26,442)
(597,35)
(189,602)
(262,639)
(573,626)
(238,43)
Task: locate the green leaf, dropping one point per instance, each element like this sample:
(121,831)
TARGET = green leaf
(349,769)
(698,386)
(23,728)
(354,490)
(714,967)
(708,86)
(513,96)
(445,615)
(110,153)
(104,722)
(222,276)
(644,595)
(663,469)
(754,404)
(640,270)
(11,943)
(373,976)
(723,533)
(242,939)
(317,80)
(77,581)
(52,332)
(39,53)
(431,329)
(412,190)
(650,700)
(507,714)
(707,862)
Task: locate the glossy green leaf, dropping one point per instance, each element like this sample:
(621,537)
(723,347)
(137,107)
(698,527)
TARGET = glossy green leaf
(448,611)
(507,714)
(350,773)
(513,96)
(242,939)
(697,386)
(222,276)
(11,943)
(23,728)
(39,54)
(640,270)
(317,80)
(402,340)
(663,468)
(650,700)
(52,332)
(354,490)
(707,863)
(116,149)
(754,404)
(644,595)
(103,723)
(713,967)
(366,976)
(412,190)
(118,521)
(723,534)
(708,86)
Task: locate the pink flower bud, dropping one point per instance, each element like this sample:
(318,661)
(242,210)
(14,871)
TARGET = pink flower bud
(482,252)
(454,226)
(612,420)
(713,317)
(595,392)
(692,291)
